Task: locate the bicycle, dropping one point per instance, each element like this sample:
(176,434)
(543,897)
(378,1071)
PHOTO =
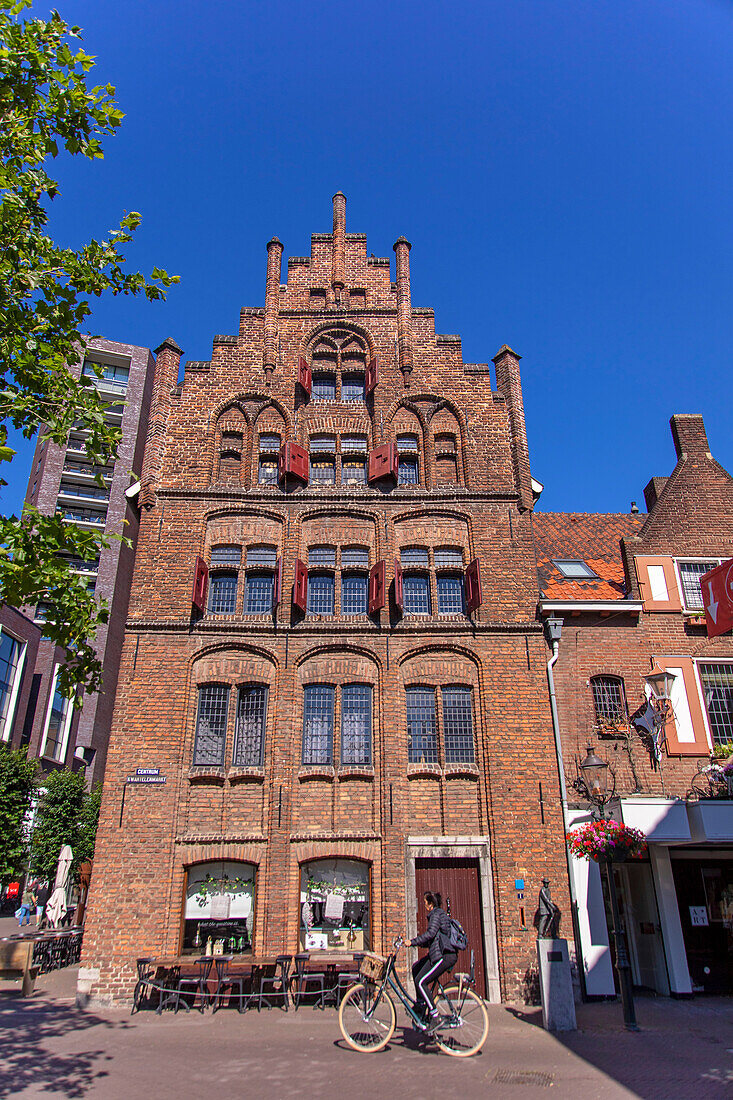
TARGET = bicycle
(367,1015)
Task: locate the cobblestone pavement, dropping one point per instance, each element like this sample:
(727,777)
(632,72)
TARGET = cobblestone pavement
(50,1048)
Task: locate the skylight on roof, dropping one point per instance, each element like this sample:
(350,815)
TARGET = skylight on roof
(574,569)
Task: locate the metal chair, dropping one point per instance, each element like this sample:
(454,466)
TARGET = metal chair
(227,980)
(196,984)
(145,975)
(302,978)
(348,977)
(278,977)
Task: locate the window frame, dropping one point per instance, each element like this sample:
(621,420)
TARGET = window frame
(608,720)
(65,725)
(699,666)
(200,688)
(712,562)
(329,691)
(219,574)
(265,692)
(369,711)
(9,698)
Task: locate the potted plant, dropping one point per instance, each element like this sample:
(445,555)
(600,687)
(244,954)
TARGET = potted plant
(606,842)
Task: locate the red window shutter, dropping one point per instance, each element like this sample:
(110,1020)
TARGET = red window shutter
(371,375)
(472,585)
(293,461)
(304,375)
(200,584)
(383,462)
(376,587)
(398,597)
(277,587)
(300,588)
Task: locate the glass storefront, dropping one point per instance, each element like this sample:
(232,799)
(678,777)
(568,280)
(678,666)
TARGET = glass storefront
(219,908)
(334,905)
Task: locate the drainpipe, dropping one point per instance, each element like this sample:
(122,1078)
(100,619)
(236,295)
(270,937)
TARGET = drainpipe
(553,631)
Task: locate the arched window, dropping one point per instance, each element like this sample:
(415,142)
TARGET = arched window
(338,366)
(609,699)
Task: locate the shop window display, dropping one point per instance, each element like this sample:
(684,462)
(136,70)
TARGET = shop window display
(219,909)
(334,906)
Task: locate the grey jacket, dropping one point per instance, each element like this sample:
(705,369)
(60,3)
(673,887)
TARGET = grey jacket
(437,934)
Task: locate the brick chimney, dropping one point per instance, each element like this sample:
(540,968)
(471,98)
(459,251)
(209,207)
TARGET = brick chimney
(508,383)
(272,306)
(690,438)
(404,306)
(653,491)
(167,362)
(338,254)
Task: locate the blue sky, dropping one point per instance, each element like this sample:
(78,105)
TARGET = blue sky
(562,170)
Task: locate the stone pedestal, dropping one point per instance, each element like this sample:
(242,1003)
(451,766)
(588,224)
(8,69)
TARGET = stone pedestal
(556,985)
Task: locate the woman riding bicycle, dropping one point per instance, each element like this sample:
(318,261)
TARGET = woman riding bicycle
(440,957)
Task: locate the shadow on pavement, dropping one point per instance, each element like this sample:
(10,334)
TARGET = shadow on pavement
(27,1026)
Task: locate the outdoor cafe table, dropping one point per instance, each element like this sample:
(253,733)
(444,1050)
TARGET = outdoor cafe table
(240,965)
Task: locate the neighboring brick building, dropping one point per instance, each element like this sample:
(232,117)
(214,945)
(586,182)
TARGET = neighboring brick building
(333,674)
(62,480)
(628,589)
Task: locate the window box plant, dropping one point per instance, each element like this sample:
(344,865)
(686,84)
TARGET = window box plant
(606,842)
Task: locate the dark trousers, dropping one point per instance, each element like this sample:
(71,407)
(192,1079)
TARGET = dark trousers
(424,973)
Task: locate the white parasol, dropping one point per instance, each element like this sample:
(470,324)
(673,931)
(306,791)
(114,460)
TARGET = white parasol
(56,907)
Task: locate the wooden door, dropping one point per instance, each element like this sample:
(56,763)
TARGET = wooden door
(457,880)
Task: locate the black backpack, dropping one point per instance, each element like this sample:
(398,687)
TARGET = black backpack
(456,940)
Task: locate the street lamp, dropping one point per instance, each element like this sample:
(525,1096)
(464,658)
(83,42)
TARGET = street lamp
(592,781)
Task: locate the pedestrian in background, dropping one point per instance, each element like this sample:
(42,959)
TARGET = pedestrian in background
(27,903)
(42,892)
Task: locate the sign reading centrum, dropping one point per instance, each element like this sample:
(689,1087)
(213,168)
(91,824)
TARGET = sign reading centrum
(717,596)
(146,775)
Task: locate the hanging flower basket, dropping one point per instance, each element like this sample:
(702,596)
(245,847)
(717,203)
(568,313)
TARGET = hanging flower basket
(606,842)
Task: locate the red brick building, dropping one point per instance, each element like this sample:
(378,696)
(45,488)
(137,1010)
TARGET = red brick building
(628,590)
(333,673)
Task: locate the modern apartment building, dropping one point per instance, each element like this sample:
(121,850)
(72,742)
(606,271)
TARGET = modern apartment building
(62,480)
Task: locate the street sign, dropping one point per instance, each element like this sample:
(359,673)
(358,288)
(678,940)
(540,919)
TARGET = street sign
(717,596)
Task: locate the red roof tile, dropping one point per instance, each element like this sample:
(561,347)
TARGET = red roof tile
(591,537)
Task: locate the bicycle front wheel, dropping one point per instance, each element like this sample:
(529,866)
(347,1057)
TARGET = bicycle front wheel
(464,1022)
(367,1018)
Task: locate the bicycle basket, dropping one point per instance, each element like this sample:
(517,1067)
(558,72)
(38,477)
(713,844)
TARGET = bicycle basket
(373,967)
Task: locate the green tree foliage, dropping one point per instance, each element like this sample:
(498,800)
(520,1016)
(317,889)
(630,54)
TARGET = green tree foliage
(61,818)
(89,822)
(47,109)
(17,783)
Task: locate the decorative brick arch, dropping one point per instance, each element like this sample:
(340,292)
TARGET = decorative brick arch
(333,325)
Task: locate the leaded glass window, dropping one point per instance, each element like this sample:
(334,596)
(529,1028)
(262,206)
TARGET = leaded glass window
(320,594)
(226,555)
(450,594)
(323,387)
(352,387)
(258,592)
(407,470)
(414,555)
(448,559)
(265,556)
(356,724)
(422,729)
(222,593)
(321,555)
(353,557)
(353,471)
(249,735)
(318,710)
(211,725)
(323,470)
(416,594)
(354,593)
(458,725)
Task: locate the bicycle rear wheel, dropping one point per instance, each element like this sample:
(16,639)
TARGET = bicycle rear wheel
(464,1022)
(367,1018)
